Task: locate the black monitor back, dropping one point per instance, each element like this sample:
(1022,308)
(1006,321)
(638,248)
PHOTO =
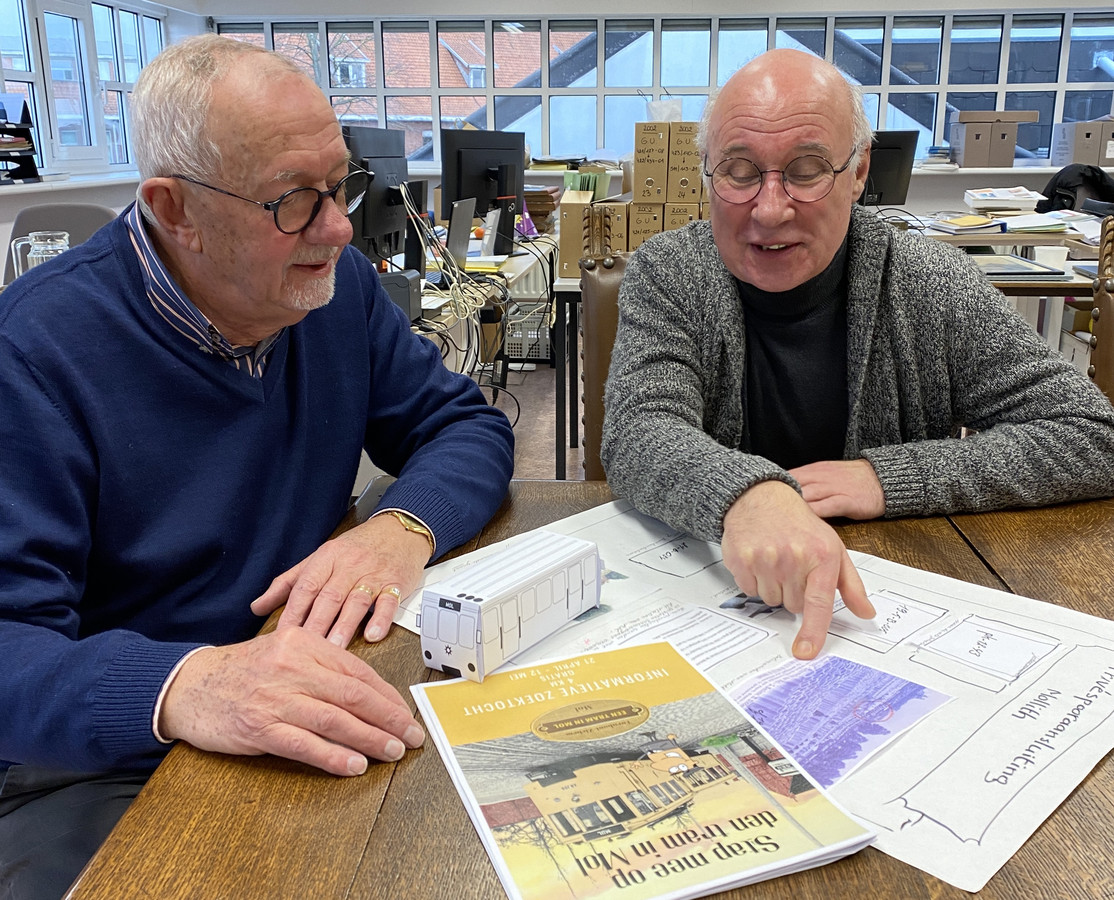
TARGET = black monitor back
(473,161)
(379,224)
(891,166)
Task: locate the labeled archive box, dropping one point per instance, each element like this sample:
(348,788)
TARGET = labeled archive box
(651,162)
(1106,145)
(987,138)
(677,215)
(645,221)
(1076,142)
(572,236)
(683,180)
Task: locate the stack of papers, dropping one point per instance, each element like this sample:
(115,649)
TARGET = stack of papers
(1016,198)
(1034,222)
(1088,226)
(967,224)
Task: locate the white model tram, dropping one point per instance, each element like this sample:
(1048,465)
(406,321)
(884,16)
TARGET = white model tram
(480,617)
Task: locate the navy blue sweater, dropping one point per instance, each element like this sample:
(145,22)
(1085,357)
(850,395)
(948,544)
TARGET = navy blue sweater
(149,492)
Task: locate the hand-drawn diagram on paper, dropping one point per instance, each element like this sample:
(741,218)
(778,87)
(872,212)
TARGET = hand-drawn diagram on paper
(961,787)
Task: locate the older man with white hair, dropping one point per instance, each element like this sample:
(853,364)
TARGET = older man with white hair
(186,398)
(796,358)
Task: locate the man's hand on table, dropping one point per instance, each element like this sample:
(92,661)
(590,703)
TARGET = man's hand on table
(848,488)
(329,592)
(291,693)
(779,549)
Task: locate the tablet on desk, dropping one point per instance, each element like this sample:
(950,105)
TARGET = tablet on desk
(1008,267)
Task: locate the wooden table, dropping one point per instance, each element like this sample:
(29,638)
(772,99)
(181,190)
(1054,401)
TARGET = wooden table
(213,826)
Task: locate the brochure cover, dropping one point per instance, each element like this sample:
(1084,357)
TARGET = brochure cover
(626,773)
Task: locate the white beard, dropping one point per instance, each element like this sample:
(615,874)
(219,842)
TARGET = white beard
(314,294)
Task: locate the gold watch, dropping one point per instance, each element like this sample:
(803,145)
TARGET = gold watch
(415,525)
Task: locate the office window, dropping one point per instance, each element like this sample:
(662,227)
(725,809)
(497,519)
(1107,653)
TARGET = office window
(413,115)
(913,112)
(461,55)
(686,48)
(1034,49)
(463,112)
(857,48)
(916,47)
(872,103)
(129,44)
(406,59)
(1083,106)
(248,32)
(300,44)
(976,49)
(357,110)
(352,55)
(542,75)
(516,55)
(740,40)
(1033,138)
(572,54)
(572,129)
(801,34)
(522,113)
(620,112)
(628,53)
(1091,57)
(66,60)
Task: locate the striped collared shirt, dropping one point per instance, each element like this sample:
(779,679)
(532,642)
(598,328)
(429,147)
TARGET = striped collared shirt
(180,313)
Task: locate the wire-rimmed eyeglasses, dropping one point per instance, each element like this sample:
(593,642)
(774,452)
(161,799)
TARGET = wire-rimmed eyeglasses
(295,210)
(805,179)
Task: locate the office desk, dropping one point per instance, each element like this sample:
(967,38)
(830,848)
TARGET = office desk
(1023,241)
(213,826)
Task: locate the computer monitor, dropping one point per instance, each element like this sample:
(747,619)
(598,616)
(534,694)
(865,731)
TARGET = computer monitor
(379,223)
(486,165)
(891,165)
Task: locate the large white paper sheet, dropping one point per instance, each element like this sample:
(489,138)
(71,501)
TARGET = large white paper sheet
(959,791)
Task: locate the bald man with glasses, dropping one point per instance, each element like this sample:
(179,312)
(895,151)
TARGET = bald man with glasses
(795,358)
(186,398)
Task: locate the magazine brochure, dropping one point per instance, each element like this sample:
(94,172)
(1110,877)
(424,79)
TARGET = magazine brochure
(627,773)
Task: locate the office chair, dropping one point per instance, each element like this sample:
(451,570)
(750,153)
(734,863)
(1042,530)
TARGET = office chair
(81,220)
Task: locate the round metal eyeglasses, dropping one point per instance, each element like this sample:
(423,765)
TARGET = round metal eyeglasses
(805,179)
(295,210)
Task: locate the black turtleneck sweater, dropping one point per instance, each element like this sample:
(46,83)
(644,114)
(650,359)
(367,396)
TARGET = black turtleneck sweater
(795,394)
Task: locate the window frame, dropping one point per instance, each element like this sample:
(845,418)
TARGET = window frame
(891,88)
(94,157)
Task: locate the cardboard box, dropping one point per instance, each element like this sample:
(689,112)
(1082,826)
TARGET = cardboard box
(683,180)
(645,221)
(651,162)
(1076,142)
(987,137)
(677,215)
(1106,145)
(571,237)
